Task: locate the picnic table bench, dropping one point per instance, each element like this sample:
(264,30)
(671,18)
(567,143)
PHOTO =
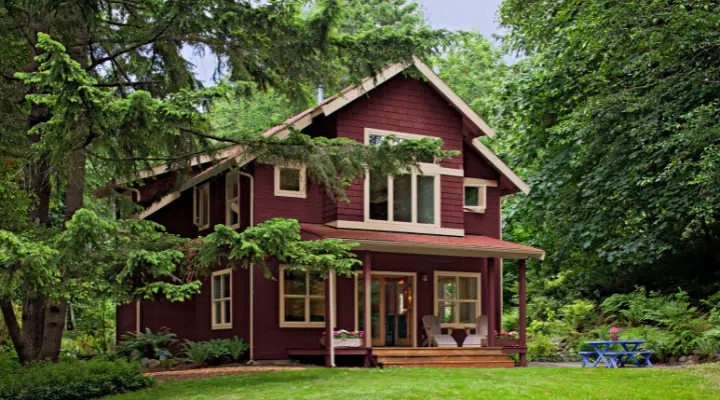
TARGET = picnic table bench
(614,359)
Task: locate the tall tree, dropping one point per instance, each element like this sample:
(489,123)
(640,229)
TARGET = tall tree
(615,108)
(101,86)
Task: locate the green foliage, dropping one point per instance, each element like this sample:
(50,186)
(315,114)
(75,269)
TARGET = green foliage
(541,348)
(612,116)
(578,313)
(70,380)
(147,344)
(215,351)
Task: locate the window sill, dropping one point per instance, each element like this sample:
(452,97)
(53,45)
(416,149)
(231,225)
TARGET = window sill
(287,193)
(221,326)
(313,325)
(397,227)
(476,210)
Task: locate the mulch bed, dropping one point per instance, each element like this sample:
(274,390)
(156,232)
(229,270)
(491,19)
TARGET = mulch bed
(197,373)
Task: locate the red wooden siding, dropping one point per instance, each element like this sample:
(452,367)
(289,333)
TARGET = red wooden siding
(489,223)
(409,106)
(268,206)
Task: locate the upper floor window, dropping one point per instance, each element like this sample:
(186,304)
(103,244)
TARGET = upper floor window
(232,200)
(201,206)
(221,312)
(475,193)
(457,298)
(302,299)
(409,198)
(290,181)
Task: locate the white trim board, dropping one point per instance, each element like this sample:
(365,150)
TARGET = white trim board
(495,161)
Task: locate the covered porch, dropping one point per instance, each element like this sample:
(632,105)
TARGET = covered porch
(401,274)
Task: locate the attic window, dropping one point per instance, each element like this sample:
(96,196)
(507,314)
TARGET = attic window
(290,181)
(201,206)
(475,193)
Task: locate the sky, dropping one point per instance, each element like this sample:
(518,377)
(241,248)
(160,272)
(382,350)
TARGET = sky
(449,14)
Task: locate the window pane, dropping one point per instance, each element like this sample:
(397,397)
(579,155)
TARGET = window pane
(290,179)
(226,285)
(468,288)
(295,283)
(235,188)
(205,204)
(472,196)
(426,199)
(317,286)
(216,286)
(446,312)
(227,311)
(446,287)
(317,310)
(218,311)
(378,196)
(234,212)
(294,310)
(374,140)
(467,313)
(402,203)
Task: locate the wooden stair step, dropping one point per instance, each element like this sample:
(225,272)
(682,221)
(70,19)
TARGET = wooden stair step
(436,351)
(443,358)
(467,364)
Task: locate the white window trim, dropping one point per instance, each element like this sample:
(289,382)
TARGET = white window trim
(436,300)
(482,185)
(197,190)
(307,297)
(302,193)
(225,325)
(413,202)
(229,200)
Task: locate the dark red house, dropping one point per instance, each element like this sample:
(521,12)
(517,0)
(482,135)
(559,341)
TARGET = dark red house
(431,243)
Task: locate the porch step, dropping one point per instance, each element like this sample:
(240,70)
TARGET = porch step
(462,357)
(435,351)
(441,359)
(451,364)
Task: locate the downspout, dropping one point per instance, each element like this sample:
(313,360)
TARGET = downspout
(252,267)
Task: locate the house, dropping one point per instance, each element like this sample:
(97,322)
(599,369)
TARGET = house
(431,243)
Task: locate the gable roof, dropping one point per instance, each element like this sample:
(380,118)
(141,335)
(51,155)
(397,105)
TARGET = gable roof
(334,103)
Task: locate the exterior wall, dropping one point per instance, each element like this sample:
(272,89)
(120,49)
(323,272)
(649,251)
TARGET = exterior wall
(409,106)
(191,319)
(268,206)
(488,223)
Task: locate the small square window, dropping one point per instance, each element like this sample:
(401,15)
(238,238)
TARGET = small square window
(472,196)
(290,181)
(201,206)
(475,194)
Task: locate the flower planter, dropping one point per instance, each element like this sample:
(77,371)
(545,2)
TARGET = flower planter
(356,342)
(614,338)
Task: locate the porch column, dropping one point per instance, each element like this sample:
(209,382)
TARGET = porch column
(367,279)
(329,322)
(522,314)
(492,304)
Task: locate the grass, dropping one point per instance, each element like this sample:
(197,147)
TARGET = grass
(533,383)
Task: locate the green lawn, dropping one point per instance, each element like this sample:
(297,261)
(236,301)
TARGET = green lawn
(532,383)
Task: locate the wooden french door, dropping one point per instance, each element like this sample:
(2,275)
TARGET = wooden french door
(391,309)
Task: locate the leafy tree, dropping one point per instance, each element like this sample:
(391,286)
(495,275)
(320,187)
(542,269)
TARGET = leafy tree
(614,110)
(110,92)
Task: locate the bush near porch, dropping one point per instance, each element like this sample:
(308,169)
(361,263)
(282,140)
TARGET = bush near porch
(675,328)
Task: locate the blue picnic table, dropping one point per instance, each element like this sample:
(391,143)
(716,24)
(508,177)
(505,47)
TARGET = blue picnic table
(615,359)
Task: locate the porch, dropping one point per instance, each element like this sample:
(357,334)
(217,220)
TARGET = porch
(394,335)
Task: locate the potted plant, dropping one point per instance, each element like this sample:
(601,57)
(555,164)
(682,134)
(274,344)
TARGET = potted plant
(507,339)
(345,338)
(613,333)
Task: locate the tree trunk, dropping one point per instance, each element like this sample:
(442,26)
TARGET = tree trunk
(16,335)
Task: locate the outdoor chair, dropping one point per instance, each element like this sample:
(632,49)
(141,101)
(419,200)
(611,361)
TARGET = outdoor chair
(435,337)
(479,338)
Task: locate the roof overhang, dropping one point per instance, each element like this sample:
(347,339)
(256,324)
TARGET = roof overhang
(495,161)
(408,243)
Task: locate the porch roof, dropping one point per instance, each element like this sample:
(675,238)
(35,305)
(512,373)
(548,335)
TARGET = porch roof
(408,243)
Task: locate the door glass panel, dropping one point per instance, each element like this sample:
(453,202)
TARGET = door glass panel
(425,199)
(294,310)
(402,198)
(467,312)
(378,196)
(375,314)
(468,288)
(447,288)
(317,310)
(446,312)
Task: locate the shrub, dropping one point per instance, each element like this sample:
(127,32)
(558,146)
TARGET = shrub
(215,351)
(578,313)
(70,380)
(147,344)
(542,348)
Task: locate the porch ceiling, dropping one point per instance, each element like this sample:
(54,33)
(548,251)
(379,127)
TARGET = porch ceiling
(408,243)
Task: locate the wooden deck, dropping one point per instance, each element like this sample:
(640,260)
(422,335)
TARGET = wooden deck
(460,357)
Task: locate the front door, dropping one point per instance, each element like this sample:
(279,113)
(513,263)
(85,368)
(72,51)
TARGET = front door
(391,309)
